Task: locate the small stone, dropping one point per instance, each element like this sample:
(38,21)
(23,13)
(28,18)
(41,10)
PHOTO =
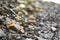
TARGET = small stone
(18,37)
(7,19)
(42,23)
(22,5)
(30,26)
(26,19)
(53,28)
(28,39)
(22,31)
(2,33)
(21,1)
(39,32)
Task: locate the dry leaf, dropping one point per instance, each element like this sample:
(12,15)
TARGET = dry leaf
(10,23)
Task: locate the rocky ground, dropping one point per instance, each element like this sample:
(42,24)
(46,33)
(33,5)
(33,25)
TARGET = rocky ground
(29,20)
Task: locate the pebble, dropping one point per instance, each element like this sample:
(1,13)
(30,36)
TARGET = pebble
(30,26)
(2,33)
(22,31)
(28,39)
(53,28)
(22,5)
(18,37)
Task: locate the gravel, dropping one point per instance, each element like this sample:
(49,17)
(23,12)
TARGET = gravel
(45,25)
